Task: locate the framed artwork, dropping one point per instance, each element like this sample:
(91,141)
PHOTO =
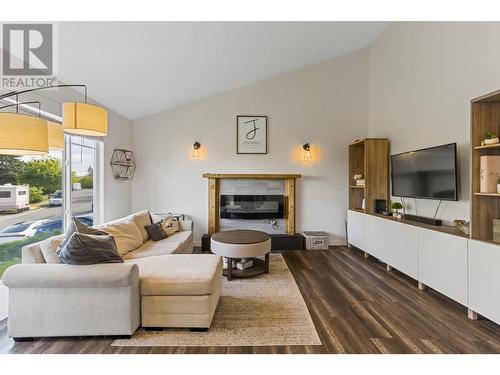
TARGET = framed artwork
(251,134)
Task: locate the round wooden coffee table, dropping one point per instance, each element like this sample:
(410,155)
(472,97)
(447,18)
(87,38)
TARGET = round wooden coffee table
(237,244)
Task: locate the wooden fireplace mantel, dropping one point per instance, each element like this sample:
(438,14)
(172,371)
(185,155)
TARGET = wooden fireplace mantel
(214,191)
(251,176)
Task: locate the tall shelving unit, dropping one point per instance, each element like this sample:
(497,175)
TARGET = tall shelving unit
(485,117)
(370,158)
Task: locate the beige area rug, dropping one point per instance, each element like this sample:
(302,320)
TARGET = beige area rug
(266,310)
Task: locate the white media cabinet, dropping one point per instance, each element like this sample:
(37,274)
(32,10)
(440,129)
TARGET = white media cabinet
(442,258)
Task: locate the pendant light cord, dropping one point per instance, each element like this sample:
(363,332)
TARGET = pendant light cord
(17,93)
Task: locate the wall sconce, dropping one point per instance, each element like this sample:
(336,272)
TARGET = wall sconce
(307,151)
(196,150)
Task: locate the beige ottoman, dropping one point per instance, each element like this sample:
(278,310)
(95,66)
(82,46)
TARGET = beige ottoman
(180,290)
(243,243)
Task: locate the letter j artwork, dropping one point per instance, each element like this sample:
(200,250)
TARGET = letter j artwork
(251,134)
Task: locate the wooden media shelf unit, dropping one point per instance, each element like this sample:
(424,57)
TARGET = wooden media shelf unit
(370,158)
(485,117)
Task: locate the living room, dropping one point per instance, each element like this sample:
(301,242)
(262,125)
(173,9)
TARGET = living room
(258,187)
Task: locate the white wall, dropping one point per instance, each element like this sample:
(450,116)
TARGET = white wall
(116,193)
(325,104)
(422,77)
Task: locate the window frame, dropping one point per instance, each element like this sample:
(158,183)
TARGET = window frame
(98,183)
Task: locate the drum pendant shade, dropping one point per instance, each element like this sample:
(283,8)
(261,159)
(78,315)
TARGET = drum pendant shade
(23,135)
(56,135)
(84,119)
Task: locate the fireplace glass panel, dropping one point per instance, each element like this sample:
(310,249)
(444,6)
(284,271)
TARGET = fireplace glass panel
(252,206)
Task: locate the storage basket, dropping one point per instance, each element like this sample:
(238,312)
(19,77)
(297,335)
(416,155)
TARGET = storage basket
(316,240)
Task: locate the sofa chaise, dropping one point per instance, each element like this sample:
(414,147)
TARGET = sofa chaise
(160,284)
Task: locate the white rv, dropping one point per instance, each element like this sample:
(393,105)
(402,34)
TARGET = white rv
(14,198)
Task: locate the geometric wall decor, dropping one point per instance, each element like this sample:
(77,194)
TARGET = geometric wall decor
(123,164)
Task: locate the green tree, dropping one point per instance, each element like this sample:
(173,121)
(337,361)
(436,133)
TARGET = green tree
(10,169)
(36,194)
(87,182)
(45,174)
(90,171)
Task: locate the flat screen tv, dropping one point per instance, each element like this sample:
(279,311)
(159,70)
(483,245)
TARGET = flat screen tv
(430,173)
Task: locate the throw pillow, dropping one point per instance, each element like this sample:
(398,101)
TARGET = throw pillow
(126,233)
(82,249)
(49,248)
(156,232)
(170,225)
(77,226)
(141,219)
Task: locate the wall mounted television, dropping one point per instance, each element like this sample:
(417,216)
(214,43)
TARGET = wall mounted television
(430,173)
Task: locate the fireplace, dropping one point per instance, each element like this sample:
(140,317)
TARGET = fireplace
(240,186)
(248,207)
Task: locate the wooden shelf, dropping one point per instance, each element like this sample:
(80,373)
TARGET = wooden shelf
(496,145)
(250,176)
(369,157)
(488,194)
(358,143)
(485,112)
(438,228)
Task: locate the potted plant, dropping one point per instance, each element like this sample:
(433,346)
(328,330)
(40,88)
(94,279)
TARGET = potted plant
(396,206)
(491,138)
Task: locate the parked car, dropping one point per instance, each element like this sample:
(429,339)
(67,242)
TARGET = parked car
(22,229)
(56,199)
(49,227)
(56,225)
(86,219)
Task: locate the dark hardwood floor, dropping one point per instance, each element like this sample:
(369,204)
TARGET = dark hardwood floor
(356,305)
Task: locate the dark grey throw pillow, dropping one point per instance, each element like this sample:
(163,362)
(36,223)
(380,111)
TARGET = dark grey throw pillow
(156,232)
(84,249)
(77,226)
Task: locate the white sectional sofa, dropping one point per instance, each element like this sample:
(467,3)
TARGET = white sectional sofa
(160,284)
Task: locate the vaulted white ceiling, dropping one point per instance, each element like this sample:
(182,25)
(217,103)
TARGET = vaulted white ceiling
(140,68)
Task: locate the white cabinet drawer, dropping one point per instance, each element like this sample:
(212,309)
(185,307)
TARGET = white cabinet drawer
(355,229)
(442,263)
(375,236)
(484,279)
(402,247)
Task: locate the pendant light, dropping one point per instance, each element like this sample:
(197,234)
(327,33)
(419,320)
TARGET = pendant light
(79,118)
(85,119)
(56,136)
(23,135)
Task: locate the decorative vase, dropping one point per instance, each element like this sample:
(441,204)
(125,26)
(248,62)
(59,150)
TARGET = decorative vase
(491,141)
(498,188)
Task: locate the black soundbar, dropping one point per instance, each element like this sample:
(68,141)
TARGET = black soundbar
(425,220)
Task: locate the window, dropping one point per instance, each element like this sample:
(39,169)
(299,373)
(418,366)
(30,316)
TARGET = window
(83,164)
(29,215)
(27,183)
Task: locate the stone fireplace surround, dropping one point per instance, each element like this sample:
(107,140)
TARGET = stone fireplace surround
(251,184)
